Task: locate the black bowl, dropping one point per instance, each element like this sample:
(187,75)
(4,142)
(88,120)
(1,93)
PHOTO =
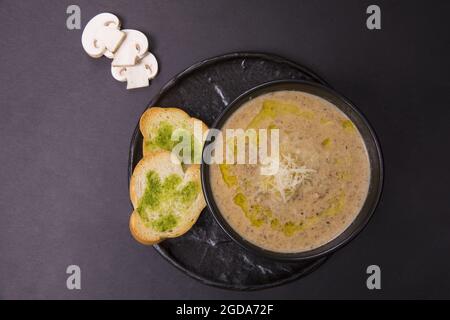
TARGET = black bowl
(374,153)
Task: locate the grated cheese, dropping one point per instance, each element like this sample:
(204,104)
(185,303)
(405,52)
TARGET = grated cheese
(289,177)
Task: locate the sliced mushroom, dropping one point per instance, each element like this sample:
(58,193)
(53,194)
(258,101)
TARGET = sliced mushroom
(102,33)
(133,48)
(109,54)
(137,76)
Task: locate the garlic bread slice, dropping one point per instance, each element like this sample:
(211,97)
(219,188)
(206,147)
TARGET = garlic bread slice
(167,200)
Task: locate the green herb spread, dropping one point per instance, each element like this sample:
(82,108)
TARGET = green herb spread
(163,199)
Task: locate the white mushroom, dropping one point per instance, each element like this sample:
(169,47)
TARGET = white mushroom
(102,34)
(109,54)
(137,76)
(133,48)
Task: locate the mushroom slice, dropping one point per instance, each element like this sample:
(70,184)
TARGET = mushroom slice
(137,76)
(102,34)
(109,54)
(133,48)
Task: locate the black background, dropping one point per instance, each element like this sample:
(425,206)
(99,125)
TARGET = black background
(66,124)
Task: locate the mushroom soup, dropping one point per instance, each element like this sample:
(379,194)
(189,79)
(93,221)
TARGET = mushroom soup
(321,183)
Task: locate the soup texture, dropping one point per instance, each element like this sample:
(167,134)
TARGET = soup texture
(321,183)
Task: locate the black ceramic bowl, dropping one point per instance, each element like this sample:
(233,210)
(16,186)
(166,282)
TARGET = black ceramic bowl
(373,149)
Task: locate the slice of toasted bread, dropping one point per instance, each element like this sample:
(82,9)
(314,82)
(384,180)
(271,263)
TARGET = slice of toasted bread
(157,125)
(167,200)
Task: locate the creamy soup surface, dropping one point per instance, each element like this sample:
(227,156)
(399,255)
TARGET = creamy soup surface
(320,187)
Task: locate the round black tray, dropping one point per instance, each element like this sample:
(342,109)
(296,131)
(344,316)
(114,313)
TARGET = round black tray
(206,252)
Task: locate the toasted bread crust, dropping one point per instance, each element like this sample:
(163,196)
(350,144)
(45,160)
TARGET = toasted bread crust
(153,112)
(140,169)
(138,236)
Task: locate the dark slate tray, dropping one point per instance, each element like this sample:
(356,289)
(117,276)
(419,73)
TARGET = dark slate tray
(206,253)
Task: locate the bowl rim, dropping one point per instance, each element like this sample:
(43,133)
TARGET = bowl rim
(337,242)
